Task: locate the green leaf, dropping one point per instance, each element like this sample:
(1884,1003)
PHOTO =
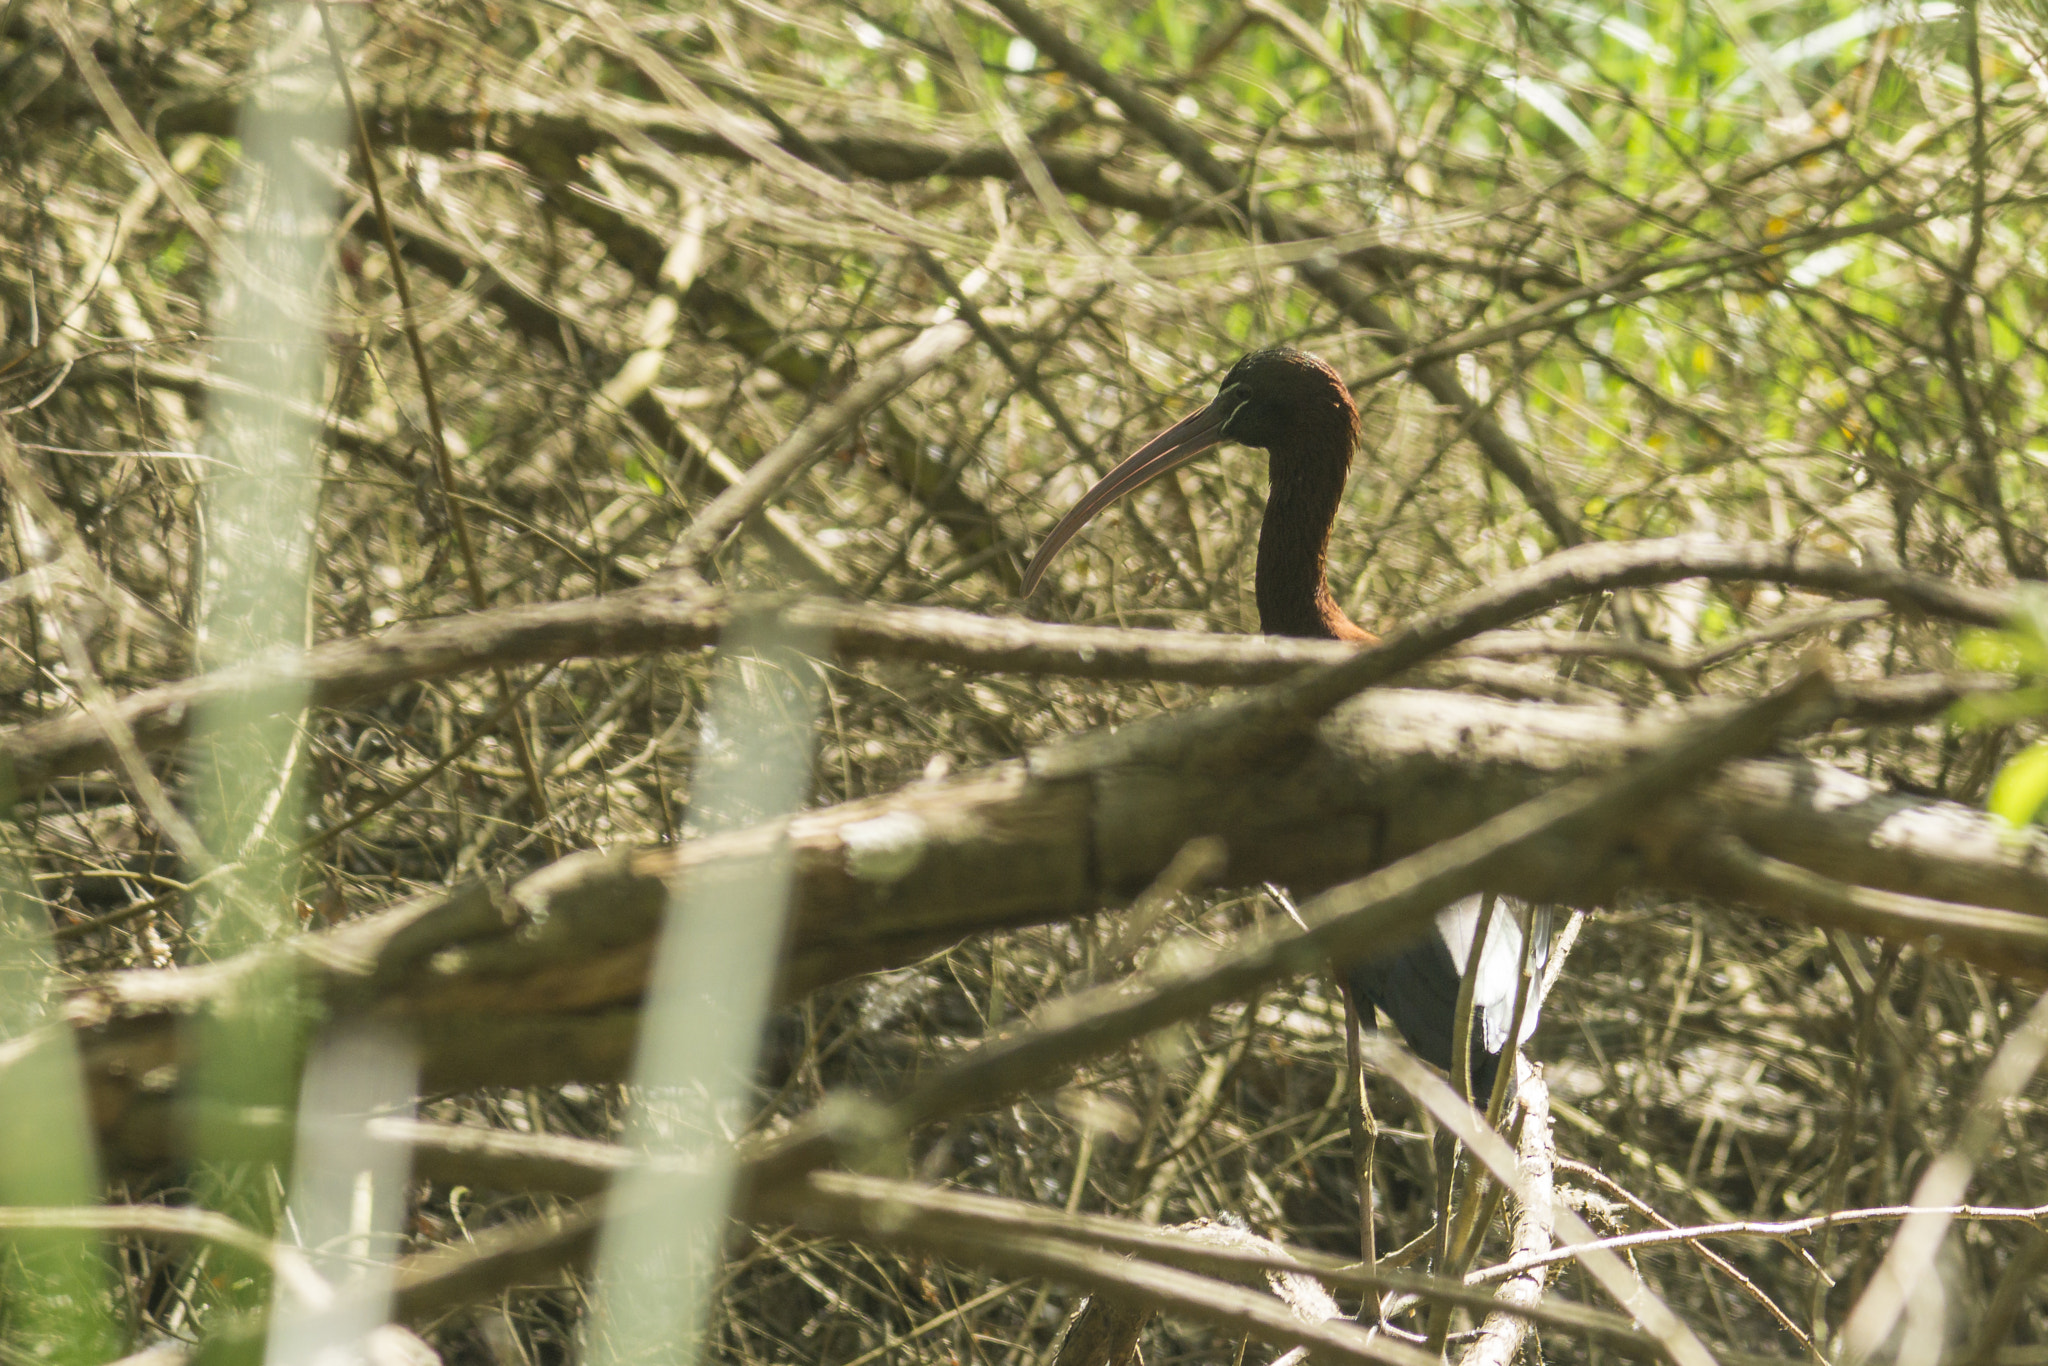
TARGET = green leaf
(1999,709)
(2030,625)
(1991,652)
(169,261)
(1717,621)
(2021,786)
(638,469)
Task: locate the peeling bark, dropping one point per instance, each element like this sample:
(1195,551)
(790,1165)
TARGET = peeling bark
(537,982)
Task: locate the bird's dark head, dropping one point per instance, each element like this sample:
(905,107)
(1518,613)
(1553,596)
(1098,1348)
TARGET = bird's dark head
(1282,400)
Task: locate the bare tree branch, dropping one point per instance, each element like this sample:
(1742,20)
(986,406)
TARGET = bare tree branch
(662,618)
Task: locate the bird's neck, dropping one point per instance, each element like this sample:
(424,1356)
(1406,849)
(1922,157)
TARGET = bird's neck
(1294,545)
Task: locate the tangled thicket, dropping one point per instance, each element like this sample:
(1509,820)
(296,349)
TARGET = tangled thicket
(1594,273)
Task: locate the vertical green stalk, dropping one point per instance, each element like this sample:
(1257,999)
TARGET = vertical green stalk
(257,521)
(347,1196)
(55,1288)
(258,512)
(709,992)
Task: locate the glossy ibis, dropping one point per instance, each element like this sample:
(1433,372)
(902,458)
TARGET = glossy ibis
(1300,412)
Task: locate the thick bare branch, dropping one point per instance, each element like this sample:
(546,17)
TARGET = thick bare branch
(681,618)
(538,981)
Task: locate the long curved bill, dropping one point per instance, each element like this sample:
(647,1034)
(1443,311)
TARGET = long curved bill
(1183,441)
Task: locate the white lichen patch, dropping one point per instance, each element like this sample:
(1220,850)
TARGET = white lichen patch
(1934,828)
(886,848)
